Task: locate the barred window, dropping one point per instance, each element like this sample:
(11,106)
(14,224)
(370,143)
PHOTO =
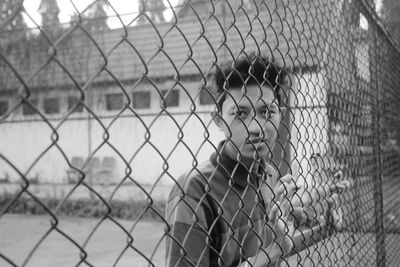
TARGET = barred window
(27,109)
(51,105)
(141,100)
(171,97)
(3,107)
(72,103)
(114,101)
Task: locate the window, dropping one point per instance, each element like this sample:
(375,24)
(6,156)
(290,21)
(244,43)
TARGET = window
(72,101)
(141,100)
(51,105)
(363,22)
(362,61)
(3,107)
(114,101)
(207,96)
(171,97)
(27,109)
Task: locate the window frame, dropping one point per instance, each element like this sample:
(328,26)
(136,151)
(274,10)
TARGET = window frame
(72,101)
(147,93)
(170,95)
(6,107)
(54,100)
(108,102)
(25,107)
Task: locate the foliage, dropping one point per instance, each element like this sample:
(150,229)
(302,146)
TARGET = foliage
(154,10)
(10,11)
(132,209)
(390,14)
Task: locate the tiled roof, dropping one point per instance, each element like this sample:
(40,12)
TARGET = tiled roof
(295,37)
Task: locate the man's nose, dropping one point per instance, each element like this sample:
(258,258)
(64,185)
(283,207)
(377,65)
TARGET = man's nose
(255,127)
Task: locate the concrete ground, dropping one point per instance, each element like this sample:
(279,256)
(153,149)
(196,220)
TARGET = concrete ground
(19,234)
(28,240)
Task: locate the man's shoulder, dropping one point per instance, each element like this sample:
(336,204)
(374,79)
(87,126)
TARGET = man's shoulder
(197,175)
(194,181)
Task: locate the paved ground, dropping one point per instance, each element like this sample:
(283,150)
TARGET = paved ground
(19,234)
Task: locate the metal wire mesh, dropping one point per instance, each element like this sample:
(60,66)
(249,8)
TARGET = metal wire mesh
(111,119)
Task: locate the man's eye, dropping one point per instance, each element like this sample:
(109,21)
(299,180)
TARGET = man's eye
(267,113)
(240,113)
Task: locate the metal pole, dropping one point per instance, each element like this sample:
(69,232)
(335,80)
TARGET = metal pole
(378,174)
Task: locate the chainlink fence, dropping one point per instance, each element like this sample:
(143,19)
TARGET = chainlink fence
(100,116)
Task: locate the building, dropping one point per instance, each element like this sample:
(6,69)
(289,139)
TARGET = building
(131,105)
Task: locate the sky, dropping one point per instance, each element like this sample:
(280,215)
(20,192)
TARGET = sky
(127,8)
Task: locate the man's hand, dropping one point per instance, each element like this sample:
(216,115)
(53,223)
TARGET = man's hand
(322,204)
(279,221)
(285,215)
(335,217)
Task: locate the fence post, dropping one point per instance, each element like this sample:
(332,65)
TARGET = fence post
(377,152)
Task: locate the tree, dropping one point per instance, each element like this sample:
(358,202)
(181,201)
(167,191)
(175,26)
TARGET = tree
(186,7)
(390,14)
(154,9)
(14,35)
(94,19)
(97,18)
(14,31)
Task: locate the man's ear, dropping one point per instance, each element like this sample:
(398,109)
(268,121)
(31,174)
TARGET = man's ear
(282,113)
(216,117)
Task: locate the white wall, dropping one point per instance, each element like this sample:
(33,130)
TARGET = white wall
(26,141)
(28,144)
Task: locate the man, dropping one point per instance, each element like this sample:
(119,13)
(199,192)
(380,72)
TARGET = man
(234,210)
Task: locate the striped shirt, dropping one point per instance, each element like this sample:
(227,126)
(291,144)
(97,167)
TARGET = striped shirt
(216,215)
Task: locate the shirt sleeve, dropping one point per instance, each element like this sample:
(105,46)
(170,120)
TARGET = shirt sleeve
(187,236)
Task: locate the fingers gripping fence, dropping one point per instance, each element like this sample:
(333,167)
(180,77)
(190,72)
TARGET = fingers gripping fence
(108,117)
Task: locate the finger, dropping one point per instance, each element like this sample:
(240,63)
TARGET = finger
(337,219)
(286,207)
(335,212)
(280,215)
(287,178)
(335,198)
(341,186)
(283,226)
(284,229)
(298,215)
(338,175)
(331,203)
(284,232)
(324,190)
(321,220)
(289,181)
(286,189)
(273,214)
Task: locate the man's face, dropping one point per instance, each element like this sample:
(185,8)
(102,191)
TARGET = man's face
(250,120)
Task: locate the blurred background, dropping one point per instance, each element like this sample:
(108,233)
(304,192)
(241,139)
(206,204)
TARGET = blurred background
(104,104)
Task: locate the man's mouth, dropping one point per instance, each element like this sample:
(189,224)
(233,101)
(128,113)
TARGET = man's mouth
(256,141)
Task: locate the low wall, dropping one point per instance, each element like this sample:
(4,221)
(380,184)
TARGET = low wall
(125,192)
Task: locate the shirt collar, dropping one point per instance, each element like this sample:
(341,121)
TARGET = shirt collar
(236,171)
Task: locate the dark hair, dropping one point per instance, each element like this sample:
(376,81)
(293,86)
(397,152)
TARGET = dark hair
(248,70)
